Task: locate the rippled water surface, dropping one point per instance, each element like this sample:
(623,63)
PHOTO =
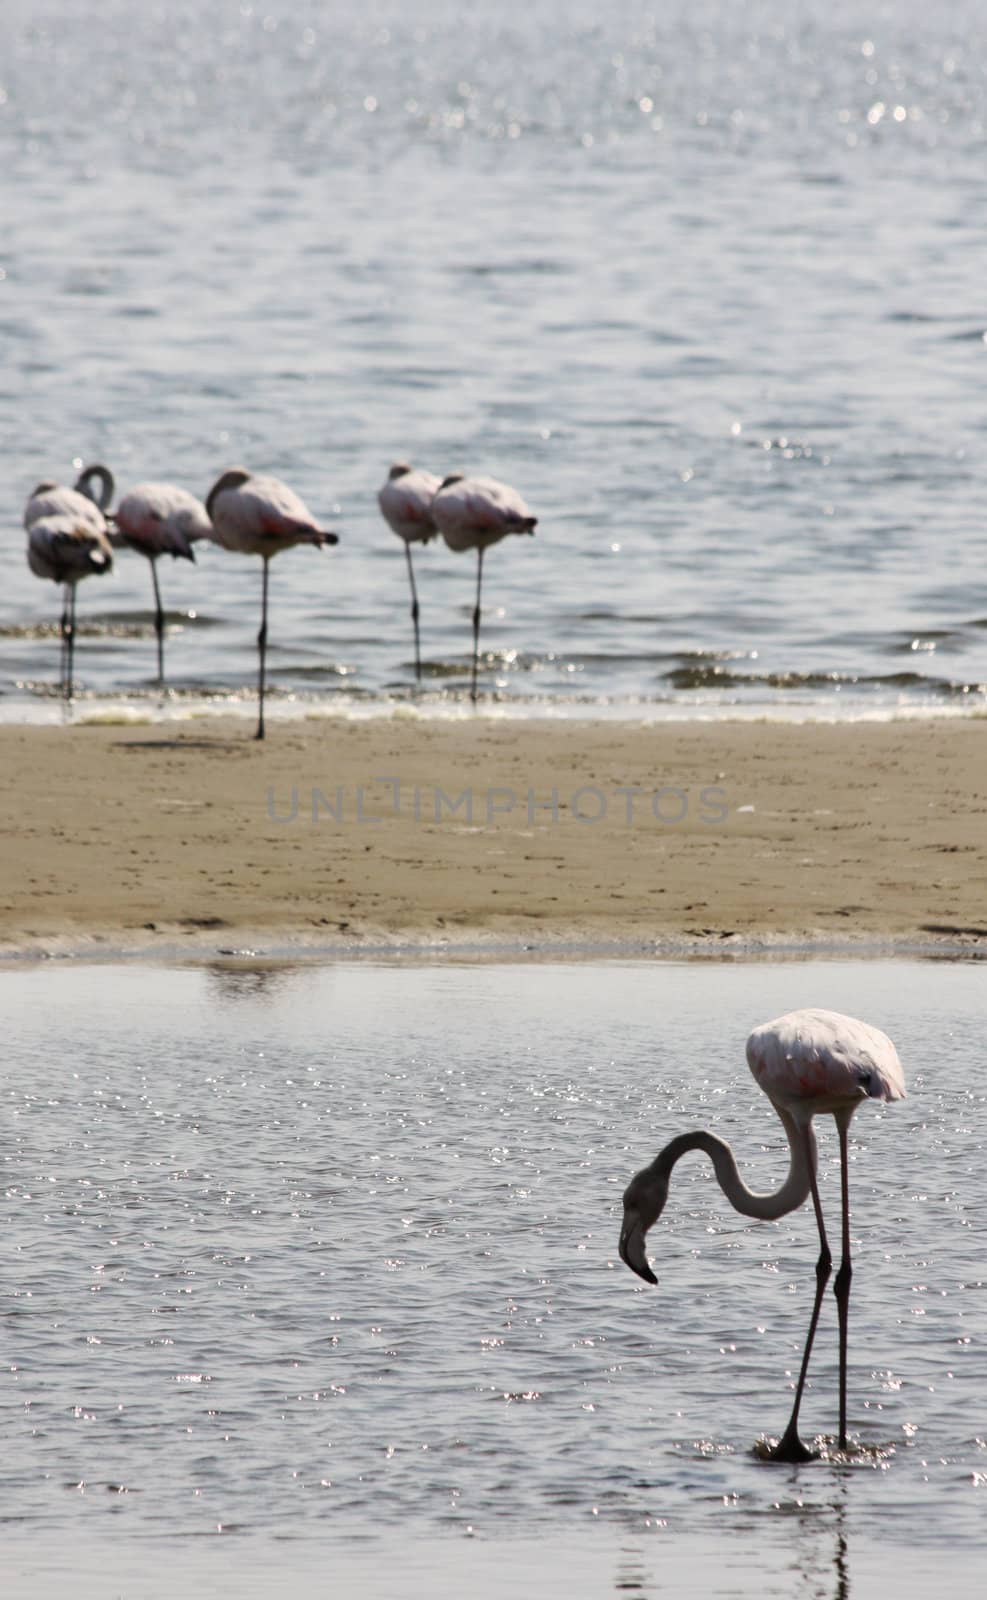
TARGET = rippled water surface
(326,1254)
(704,280)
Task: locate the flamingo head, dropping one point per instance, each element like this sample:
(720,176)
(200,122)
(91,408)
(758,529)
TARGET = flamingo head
(232,478)
(644,1202)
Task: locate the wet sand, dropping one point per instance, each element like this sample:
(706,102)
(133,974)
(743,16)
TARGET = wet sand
(418,832)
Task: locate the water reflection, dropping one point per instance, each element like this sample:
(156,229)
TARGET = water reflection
(841,1555)
(841,1566)
(812,1546)
(248,977)
(821,1554)
(632,1576)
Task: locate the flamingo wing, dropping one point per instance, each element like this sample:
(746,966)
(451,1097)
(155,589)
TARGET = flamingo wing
(163,519)
(55,500)
(826,1057)
(406,504)
(479,511)
(498,505)
(65,550)
(259,513)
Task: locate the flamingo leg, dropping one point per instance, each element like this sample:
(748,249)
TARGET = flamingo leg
(476,621)
(63,648)
(262,653)
(70,642)
(790,1446)
(159,621)
(841,1287)
(414,613)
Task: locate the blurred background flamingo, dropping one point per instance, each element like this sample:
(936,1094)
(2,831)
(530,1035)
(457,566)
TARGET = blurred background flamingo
(67,541)
(472,514)
(158,519)
(406,503)
(259,515)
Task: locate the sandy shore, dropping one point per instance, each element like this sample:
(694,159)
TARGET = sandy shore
(412,831)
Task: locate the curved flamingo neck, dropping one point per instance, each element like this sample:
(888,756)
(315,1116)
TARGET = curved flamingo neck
(768,1207)
(103,477)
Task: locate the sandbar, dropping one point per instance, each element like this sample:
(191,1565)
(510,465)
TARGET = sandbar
(434,833)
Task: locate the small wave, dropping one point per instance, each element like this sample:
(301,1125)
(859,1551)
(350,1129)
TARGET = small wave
(924,642)
(109,625)
(540,266)
(314,673)
(116,716)
(622,618)
(88,627)
(711,675)
(912,316)
(190,617)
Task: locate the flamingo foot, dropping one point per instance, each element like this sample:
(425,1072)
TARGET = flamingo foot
(790,1449)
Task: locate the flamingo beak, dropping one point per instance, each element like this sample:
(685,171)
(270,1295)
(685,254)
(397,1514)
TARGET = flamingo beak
(632,1247)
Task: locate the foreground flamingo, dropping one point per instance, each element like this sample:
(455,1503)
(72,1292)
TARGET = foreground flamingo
(406,504)
(66,542)
(807,1063)
(472,514)
(159,519)
(259,516)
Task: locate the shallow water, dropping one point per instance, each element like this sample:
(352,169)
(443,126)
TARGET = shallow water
(704,281)
(326,1254)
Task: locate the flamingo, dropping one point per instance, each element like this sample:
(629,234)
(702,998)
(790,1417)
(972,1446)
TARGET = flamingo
(472,514)
(406,504)
(260,515)
(160,519)
(87,506)
(807,1063)
(67,541)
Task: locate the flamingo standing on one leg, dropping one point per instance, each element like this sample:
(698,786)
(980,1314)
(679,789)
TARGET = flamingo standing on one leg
(807,1063)
(160,519)
(66,542)
(52,499)
(406,504)
(471,514)
(260,516)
